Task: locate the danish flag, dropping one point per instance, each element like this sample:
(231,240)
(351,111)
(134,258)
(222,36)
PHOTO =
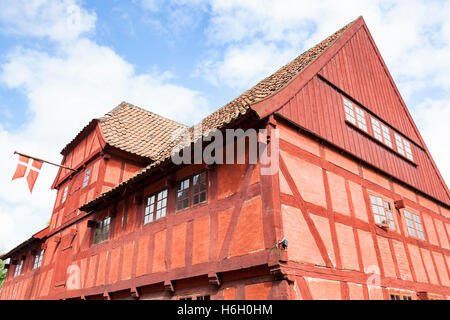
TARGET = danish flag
(29,169)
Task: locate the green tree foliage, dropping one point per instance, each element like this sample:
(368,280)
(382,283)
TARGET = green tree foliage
(2,273)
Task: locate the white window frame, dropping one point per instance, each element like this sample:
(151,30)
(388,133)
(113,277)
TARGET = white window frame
(403,146)
(18,268)
(38,260)
(382,208)
(381,132)
(87,177)
(64,196)
(156,206)
(414,224)
(355,115)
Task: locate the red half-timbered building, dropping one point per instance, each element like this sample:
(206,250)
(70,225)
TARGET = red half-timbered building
(358,197)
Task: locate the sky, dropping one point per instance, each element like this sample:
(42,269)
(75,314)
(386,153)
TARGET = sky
(64,62)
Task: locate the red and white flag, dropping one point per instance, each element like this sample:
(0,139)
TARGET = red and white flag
(28,169)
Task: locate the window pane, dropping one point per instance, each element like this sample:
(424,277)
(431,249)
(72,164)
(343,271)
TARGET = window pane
(65,194)
(86,178)
(200,186)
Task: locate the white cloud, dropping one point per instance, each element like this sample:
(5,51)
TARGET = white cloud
(432,119)
(58,20)
(65,90)
(246,64)
(152,5)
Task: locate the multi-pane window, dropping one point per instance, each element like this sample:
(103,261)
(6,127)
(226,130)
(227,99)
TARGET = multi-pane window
(87,175)
(400,297)
(102,230)
(381,132)
(155,206)
(183,194)
(403,146)
(200,185)
(38,259)
(355,115)
(349,112)
(382,212)
(64,197)
(207,297)
(18,269)
(192,191)
(414,225)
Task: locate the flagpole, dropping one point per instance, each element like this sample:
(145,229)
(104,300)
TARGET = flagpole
(41,160)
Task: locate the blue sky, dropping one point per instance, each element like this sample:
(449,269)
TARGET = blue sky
(64,62)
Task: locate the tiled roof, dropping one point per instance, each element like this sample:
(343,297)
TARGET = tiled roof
(138,131)
(269,85)
(133,129)
(242,104)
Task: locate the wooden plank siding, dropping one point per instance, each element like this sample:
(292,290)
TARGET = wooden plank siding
(357,73)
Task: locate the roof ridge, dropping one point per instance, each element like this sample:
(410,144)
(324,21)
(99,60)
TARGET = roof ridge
(274,82)
(127,104)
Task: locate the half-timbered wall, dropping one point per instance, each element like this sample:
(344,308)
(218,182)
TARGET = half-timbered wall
(334,245)
(227,233)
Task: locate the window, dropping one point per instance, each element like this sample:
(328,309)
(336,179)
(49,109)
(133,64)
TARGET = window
(102,230)
(183,195)
(87,175)
(382,212)
(200,184)
(64,197)
(207,297)
(192,191)
(355,115)
(414,225)
(403,146)
(400,297)
(18,269)
(155,207)
(381,132)
(38,259)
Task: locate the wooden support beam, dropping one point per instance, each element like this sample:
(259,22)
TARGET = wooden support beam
(214,279)
(169,286)
(135,293)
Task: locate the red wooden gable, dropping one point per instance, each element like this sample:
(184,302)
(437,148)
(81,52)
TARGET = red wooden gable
(89,145)
(353,68)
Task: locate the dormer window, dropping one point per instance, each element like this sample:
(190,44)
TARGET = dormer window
(64,197)
(403,147)
(381,132)
(87,175)
(355,115)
